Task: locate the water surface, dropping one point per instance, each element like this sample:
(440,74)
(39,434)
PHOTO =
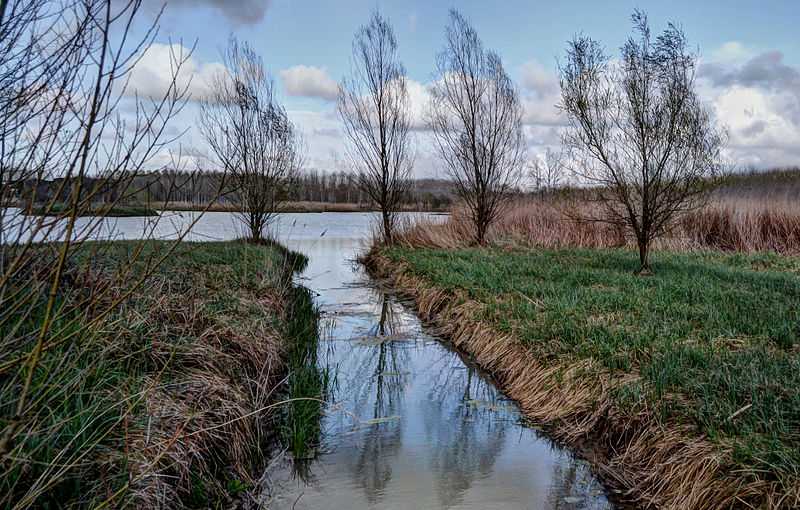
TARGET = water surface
(410,423)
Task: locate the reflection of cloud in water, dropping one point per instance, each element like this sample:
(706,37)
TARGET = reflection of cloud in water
(469,446)
(411,424)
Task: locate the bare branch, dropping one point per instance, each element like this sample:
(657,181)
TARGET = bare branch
(638,133)
(476,117)
(255,144)
(374,108)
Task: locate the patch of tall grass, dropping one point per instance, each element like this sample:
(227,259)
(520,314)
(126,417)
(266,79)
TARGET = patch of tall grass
(168,399)
(307,383)
(555,222)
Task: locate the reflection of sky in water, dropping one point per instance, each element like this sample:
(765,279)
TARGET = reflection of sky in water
(410,424)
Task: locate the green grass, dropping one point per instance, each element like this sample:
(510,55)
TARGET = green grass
(307,383)
(85,392)
(709,333)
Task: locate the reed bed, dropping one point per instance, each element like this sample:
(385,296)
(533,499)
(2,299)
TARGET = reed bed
(725,224)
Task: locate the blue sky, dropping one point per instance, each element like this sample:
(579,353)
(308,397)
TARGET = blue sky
(740,40)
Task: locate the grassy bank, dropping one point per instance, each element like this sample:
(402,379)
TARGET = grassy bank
(685,384)
(175,400)
(107,211)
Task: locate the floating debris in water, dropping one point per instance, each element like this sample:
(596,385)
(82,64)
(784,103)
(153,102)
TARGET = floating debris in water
(491,406)
(376,421)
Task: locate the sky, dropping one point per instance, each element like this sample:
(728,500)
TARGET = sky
(749,72)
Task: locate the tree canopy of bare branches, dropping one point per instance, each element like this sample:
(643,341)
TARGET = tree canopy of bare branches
(374,107)
(638,133)
(64,68)
(250,133)
(547,172)
(476,117)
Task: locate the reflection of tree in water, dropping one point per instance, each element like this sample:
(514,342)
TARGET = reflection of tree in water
(466,422)
(572,486)
(562,485)
(378,385)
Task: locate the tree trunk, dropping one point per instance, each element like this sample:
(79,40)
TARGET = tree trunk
(481,226)
(644,257)
(387,227)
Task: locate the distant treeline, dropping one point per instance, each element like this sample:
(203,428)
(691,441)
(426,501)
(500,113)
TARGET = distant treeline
(201,188)
(779,185)
(342,188)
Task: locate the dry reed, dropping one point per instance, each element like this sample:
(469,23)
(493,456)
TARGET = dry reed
(215,375)
(742,225)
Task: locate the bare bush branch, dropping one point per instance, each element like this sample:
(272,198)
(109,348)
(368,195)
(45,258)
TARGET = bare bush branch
(65,146)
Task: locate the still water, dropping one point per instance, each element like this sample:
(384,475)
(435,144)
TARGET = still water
(410,424)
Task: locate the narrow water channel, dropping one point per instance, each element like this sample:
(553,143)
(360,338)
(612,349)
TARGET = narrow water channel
(410,424)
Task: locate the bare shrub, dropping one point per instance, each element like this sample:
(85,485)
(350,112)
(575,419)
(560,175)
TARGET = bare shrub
(476,117)
(374,108)
(255,144)
(547,172)
(638,132)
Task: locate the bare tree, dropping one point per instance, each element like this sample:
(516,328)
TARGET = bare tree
(476,117)
(374,107)
(64,69)
(252,137)
(638,132)
(547,172)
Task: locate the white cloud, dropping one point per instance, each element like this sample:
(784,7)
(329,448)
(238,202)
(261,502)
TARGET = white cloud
(535,77)
(757,98)
(731,51)
(309,81)
(418,99)
(322,137)
(540,94)
(152,74)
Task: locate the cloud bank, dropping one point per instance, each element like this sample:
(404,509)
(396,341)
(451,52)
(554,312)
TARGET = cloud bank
(309,81)
(754,95)
(757,97)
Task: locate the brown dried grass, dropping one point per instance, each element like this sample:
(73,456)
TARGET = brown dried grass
(205,413)
(552,223)
(650,463)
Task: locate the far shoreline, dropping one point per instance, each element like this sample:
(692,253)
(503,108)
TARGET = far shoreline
(147,210)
